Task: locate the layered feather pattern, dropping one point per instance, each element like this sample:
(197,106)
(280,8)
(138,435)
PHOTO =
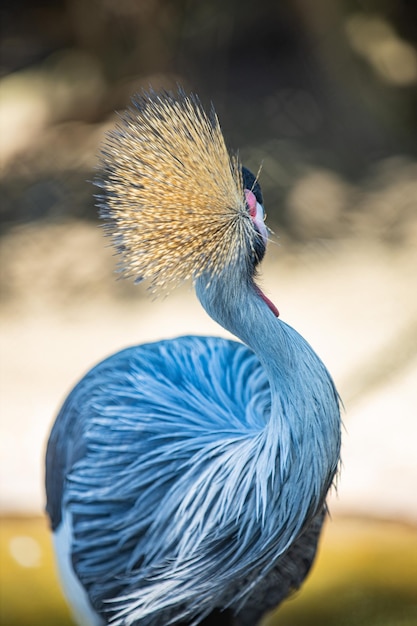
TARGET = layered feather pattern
(171,509)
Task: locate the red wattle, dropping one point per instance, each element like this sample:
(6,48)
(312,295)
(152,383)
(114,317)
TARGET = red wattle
(267,301)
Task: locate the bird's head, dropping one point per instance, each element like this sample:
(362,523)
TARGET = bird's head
(176,204)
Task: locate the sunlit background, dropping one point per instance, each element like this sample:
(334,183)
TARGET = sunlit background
(321,94)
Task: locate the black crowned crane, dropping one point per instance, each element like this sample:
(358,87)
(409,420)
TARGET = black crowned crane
(186,479)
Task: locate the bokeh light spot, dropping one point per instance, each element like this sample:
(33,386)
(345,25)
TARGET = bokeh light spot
(25,551)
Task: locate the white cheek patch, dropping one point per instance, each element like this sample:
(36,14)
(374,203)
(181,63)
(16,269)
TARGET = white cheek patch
(256,211)
(258,220)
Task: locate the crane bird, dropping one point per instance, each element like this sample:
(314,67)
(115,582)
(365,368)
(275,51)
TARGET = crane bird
(186,479)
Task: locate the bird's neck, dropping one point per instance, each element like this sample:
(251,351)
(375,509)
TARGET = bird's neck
(304,425)
(238,306)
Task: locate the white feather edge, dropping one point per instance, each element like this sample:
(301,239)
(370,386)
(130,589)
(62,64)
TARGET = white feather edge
(76,596)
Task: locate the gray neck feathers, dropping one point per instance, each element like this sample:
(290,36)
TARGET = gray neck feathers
(303,429)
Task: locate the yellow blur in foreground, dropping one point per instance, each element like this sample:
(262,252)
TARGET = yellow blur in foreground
(364,576)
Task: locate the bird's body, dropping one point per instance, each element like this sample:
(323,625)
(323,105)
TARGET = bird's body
(189,476)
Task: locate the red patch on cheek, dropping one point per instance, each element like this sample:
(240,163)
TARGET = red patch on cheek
(251,201)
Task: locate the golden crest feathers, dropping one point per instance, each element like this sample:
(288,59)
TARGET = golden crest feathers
(172,197)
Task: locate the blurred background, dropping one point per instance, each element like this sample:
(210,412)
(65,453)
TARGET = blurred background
(321,94)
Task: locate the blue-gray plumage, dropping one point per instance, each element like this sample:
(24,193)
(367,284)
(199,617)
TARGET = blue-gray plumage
(186,479)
